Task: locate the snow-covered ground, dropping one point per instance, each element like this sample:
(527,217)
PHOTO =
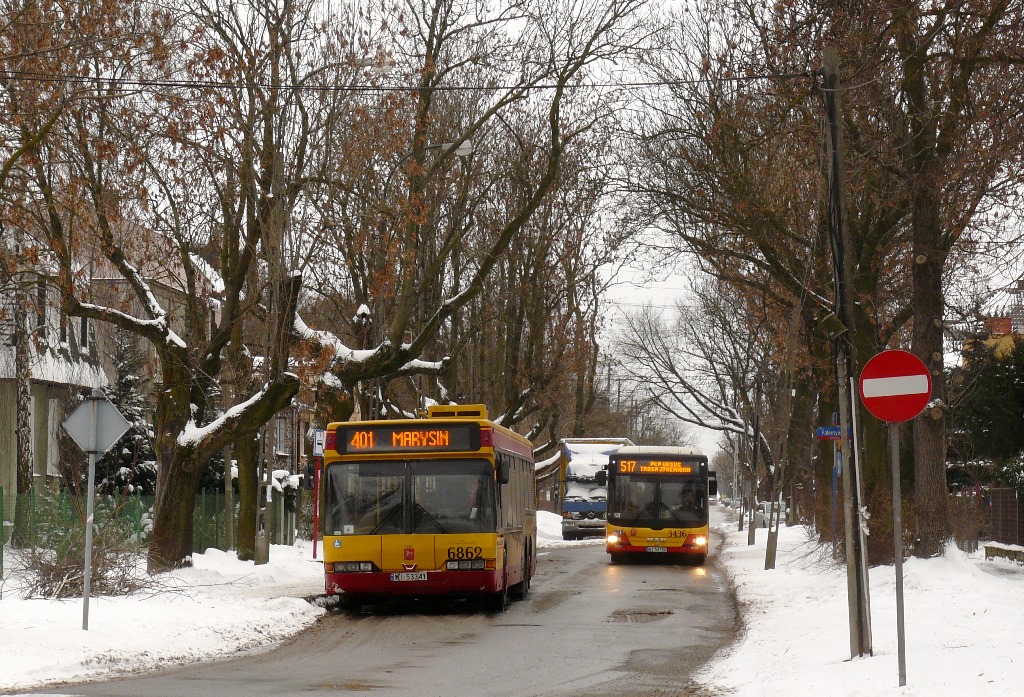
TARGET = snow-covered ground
(964,619)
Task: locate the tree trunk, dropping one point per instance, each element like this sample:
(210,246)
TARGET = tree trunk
(246,453)
(931,503)
(173,515)
(22,533)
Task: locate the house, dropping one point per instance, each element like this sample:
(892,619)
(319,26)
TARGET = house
(1004,321)
(64,362)
(71,356)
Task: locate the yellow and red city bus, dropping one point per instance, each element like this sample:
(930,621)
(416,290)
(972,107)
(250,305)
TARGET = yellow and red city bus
(442,505)
(658,502)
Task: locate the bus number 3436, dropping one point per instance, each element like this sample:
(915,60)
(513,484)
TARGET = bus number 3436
(465,552)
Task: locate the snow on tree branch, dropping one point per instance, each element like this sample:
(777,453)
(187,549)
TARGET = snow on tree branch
(274,395)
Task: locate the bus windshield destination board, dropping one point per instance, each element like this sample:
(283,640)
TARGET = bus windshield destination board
(403,438)
(653,467)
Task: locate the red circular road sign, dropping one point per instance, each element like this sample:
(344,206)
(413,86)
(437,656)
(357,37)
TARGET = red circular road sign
(895,386)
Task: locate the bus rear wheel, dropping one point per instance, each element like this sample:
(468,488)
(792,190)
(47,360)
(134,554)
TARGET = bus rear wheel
(520,590)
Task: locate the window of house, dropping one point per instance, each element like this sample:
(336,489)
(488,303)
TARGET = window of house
(41,308)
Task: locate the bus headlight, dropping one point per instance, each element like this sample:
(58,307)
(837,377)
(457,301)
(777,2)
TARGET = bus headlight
(616,537)
(464,565)
(347,567)
(700,541)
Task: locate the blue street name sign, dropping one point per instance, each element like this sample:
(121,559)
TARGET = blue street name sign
(828,433)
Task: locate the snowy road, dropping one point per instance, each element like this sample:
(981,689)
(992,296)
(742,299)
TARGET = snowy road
(587,628)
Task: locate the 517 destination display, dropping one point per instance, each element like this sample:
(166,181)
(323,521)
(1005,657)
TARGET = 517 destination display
(653,467)
(394,439)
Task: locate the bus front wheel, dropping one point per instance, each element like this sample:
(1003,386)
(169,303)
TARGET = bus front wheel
(498,602)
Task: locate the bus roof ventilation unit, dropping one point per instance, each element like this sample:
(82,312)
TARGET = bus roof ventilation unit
(468,411)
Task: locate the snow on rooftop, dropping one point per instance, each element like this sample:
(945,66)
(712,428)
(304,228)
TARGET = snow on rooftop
(53,366)
(586,458)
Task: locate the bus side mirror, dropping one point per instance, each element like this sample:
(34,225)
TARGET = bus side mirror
(503,472)
(713,486)
(601,477)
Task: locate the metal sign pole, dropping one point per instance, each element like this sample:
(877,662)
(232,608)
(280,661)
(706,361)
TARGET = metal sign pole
(897,534)
(88,541)
(87,578)
(837,463)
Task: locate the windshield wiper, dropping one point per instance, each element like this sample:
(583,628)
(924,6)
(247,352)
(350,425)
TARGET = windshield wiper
(386,518)
(431,519)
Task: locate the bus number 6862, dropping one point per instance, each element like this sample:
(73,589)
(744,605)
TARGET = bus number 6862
(465,552)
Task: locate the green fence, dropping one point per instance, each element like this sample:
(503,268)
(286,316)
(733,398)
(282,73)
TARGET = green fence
(50,516)
(3,531)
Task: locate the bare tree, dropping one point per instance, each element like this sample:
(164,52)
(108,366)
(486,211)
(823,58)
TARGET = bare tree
(933,109)
(435,241)
(702,362)
(732,174)
(38,39)
(117,192)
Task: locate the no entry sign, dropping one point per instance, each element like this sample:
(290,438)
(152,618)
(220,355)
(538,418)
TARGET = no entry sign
(895,386)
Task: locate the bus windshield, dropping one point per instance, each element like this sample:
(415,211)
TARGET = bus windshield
(657,502)
(419,496)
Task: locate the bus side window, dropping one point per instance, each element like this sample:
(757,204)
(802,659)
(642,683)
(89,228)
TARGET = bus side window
(520,498)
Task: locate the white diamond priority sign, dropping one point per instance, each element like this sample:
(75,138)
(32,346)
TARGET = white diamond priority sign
(95,424)
(895,386)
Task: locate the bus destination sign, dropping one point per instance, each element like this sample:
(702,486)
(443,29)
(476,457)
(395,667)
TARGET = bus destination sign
(408,439)
(654,467)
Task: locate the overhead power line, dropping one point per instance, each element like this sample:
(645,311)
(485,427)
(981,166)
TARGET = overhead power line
(147,84)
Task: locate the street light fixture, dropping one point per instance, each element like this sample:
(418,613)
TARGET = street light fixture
(462,149)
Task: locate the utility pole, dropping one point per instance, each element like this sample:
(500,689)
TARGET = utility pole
(753,465)
(856,563)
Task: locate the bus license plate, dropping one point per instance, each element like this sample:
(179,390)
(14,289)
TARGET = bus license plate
(410,576)
(657,549)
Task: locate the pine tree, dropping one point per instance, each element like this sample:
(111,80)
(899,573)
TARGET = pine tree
(130,466)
